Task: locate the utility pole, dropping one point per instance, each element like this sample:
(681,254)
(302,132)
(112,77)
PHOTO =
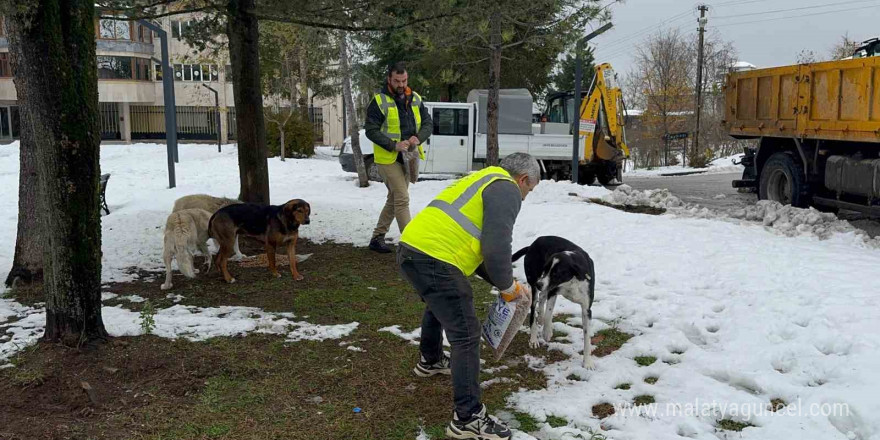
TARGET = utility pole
(702,30)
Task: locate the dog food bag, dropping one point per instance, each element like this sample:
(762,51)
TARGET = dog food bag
(411,166)
(504,320)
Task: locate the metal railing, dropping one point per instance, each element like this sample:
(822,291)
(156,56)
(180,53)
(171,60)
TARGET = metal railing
(193,123)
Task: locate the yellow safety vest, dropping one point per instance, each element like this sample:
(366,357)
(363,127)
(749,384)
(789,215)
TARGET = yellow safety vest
(449,228)
(391,126)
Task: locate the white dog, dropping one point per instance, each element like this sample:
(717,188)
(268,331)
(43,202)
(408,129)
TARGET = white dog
(211,204)
(185,231)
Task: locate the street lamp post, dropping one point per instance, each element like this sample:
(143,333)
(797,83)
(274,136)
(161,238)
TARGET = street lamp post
(170,109)
(217,107)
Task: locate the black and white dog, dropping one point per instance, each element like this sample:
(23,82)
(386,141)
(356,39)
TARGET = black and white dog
(554,266)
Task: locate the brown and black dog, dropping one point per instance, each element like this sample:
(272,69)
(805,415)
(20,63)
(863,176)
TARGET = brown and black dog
(273,225)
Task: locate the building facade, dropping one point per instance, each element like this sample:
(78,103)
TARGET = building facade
(131,95)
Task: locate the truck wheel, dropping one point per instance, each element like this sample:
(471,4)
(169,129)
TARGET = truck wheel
(606,173)
(586,176)
(782,180)
(372,170)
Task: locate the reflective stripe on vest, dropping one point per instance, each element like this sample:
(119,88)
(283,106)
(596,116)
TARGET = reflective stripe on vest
(453,209)
(391,125)
(450,227)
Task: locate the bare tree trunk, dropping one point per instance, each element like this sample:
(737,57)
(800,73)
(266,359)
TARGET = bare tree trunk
(351,115)
(55,69)
(27,264)
(243,32)
(494,85)
(281,130)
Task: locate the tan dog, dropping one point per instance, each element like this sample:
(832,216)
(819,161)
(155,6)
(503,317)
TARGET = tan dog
(208,203)
(185,231)
(273,225)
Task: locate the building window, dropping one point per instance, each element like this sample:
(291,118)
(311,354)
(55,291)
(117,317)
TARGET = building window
(109,29)
(144,34)
(114,67)
(142,69)
(196,72)
(228,73)
(110,67)
(180,28)
(158,70)
(5,70)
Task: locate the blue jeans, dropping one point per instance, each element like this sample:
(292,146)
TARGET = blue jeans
(449,306)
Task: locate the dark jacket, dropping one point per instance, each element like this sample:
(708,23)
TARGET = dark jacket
(375,119)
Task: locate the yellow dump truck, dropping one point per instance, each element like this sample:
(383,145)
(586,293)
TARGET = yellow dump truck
(818,131)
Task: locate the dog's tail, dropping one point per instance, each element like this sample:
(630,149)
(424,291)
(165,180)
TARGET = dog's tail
(519,253)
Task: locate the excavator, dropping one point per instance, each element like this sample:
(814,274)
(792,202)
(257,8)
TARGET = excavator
(602,120)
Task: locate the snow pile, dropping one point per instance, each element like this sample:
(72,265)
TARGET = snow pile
(781,219)
(625,195)
(178,321)
(793,221)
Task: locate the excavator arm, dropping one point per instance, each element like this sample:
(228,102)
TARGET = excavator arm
(602,121)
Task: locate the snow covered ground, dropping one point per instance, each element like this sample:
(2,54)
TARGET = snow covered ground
(736,313)
(717,166)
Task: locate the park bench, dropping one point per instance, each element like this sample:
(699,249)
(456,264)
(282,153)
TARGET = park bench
(104,179)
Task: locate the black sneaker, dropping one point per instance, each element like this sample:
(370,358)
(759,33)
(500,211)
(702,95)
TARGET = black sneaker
(423,369)
(377,244)
(481,426)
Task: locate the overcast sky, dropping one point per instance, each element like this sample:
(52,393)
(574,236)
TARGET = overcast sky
(760,36)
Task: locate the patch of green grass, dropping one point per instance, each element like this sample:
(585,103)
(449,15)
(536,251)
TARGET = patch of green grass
(644,361)
(643,399)
(527,423)
(25,377)
(436,431)
(574,376)
(608,340)
(732,425)
(623,386)
(651,380)
(556,422)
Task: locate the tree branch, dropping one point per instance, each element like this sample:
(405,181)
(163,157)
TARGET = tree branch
(352,28)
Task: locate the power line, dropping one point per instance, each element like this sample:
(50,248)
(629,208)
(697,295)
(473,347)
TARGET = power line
(794,16)
(736,2)
(646,30)
(622,43)
(825,5)
(618,53)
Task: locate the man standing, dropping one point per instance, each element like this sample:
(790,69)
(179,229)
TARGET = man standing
(468,228)
(397,121)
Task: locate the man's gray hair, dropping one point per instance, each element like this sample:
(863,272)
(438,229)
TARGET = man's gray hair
(522,164)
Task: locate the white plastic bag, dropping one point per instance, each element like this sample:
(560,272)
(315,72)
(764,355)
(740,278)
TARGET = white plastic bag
(504,320)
